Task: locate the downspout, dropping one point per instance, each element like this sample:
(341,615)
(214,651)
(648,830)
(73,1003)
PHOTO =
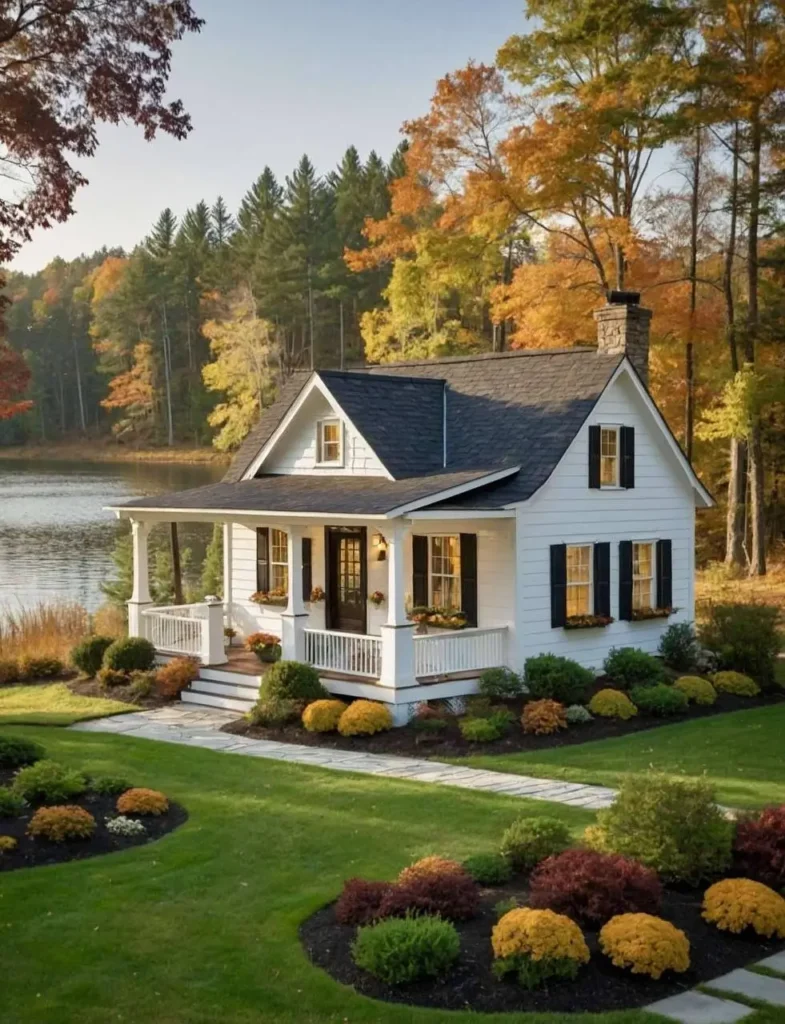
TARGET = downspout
(444,426)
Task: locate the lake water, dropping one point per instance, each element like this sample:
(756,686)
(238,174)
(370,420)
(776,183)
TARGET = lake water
(56,539)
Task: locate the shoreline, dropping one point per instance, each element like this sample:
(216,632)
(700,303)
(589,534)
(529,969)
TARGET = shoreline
(86,452)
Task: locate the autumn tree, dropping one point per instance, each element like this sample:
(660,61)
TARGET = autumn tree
(14,378)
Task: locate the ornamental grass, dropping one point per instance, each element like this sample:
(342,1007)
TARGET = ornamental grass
(45,630)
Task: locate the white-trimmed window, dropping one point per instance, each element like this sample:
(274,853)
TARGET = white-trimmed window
(579,580)
(609,457)
(445,574)
(279,561)
(642,575)
(329,442)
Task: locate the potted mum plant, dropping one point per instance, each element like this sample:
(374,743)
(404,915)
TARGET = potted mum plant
(266,646)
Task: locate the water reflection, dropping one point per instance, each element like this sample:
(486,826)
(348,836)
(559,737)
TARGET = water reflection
(55,538)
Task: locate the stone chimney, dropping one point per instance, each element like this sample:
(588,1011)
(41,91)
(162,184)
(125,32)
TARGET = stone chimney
(623,328)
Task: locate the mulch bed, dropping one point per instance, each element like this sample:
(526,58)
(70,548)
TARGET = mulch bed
(407,741)
(36,852)
(599,987)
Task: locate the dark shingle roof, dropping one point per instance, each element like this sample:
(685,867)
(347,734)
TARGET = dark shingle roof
(347,495)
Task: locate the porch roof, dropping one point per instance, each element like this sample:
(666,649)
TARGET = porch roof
(309,495)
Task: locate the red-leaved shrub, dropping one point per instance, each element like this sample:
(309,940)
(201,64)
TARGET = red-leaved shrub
(592,887)
(759,847)
(454,896)
(360,901)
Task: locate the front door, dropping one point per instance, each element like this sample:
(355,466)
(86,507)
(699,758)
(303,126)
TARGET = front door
(346,578)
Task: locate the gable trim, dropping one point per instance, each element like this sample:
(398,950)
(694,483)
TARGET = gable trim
(314,384)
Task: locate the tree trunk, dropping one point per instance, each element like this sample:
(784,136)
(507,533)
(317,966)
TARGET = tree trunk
(343,340)
(689,348)
(168,379)
(756,469)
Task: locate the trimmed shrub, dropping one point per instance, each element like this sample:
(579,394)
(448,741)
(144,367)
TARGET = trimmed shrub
(426,867)
(660,700)
(7,844)
(88,655)
(11,804)
(500,684)
(9,671)
(759,847)
(33,667)
(323,715)
(275,712)
(671,825)
(736,904)
(48,782)
(142,801)
(130,654)
(543,717)
(488,868)
(453,895)
(141,685)
(537,945)
(127,827)
(430,726)
(736,683)
(645,945)
(529,840)
(480,730)
(577,714)
(612,704)
(592,887)
(16,752)
(364,718)
(745,638)
(549,677)
(401,951)
(109,785)
(679,647)
(292,680)
(360,901)
(696,690)
(173,677)
(629,666)
(108,678)
(58,824)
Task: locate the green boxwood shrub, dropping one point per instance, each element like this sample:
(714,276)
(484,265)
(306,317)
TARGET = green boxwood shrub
(11,804)
(529,840)
(745,639)
(48,782)
(16,752)
(275,712)
(627,667)
(129,654)
(659,700)
(549,677)
(671,825)
(401,950)
(109,785)
(480,730)
(488,868)
(88,655)
(500,684)
(679,647)
(292,680)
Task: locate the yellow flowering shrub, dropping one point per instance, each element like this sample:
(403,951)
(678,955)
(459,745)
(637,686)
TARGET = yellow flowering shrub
(595,838)
(7,843)
(429,866)
(142,801)
(539,934)
(612,704)
(735,904)
(364,718)
(645,944)
(323,715)
(696,690)
(735,682)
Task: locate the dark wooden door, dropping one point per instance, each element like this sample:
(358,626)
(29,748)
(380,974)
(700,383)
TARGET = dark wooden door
(346,575)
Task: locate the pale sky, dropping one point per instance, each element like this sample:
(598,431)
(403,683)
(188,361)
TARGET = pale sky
(265,82)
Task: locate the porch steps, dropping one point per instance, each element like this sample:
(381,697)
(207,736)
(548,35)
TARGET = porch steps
(219,688)
(211,700)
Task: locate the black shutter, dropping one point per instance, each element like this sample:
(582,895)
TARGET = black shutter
(469,577)
(664,574)
(627,457)
(625,579)
(307,568)
(602,579)
(420,571)
(595,434)
(263,559)
(558,585)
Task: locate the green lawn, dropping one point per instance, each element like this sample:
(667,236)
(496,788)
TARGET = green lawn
(742,753)
(53,705)
(202,926)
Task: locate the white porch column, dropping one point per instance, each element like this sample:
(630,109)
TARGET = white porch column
(227,575)
(213,652)
(294,618)
(397,633)
(140,597)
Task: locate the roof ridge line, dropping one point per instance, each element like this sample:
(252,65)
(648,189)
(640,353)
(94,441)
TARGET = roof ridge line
(488,356)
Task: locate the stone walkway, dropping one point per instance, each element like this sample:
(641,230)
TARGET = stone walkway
(202,728)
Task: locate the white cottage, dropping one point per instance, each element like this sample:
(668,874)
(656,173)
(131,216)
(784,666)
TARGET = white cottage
(539,492)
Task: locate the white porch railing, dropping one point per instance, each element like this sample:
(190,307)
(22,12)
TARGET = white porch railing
(195,630)
(465,650)
(351,653)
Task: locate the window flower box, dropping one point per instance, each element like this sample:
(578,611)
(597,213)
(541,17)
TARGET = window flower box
(439,618)
(643,614)
(274,597)
(588,621)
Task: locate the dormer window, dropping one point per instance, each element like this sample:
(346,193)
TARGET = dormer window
(329,443)
(609,457)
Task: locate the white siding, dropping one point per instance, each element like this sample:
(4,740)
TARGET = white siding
(566,511)
(295,452)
